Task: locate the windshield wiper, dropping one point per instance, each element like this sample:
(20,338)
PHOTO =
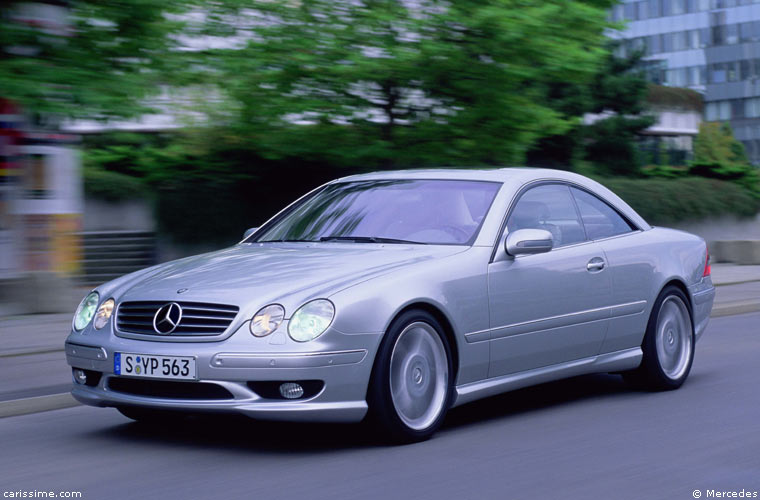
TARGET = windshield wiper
(286,241)
(370,239)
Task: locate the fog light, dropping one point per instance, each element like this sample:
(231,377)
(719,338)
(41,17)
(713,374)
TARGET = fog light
(291,390)
(80,376)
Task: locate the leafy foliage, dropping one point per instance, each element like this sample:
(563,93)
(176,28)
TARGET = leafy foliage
(402,83)
(109,57)
(111,186)
(617,99)
(719,155)
(664,201)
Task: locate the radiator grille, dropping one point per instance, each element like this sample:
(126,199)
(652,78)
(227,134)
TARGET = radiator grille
(198,318)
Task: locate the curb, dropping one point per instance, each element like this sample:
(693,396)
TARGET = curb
(14,354)
(734,308)
(737,282)
(25,406)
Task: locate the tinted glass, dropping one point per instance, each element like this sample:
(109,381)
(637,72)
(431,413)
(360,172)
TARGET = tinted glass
(549,207)
(422,211)
(600,220)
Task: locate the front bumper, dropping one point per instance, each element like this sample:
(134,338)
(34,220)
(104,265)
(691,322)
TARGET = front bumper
(236,364)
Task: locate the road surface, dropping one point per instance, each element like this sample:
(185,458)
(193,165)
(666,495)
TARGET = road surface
(587,437)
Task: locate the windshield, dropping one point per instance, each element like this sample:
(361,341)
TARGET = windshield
(388,211)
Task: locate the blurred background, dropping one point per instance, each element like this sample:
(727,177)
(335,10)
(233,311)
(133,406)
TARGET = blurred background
(135,132)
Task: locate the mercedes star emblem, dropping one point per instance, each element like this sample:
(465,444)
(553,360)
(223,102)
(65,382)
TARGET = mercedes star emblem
(167,318)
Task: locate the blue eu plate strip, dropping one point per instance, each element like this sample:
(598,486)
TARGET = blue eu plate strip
(117,363)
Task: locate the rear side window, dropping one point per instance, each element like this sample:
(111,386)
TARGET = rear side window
(549,207)
(600,219)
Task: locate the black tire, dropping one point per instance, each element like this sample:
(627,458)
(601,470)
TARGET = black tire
(654,373)
(149,415)
(383,413)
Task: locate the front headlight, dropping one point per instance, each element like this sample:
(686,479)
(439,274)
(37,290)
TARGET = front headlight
(267,320)
(86,311)
(104,313)
(311,320)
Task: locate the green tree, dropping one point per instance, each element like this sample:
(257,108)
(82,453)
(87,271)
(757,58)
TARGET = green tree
(402,83)
(617,98)
(719,155)
(101,59)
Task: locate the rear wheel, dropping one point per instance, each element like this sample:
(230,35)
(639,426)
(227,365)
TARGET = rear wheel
(410,390)
(668,345)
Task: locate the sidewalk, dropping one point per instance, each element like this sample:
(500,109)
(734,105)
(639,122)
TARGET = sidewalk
(33,367)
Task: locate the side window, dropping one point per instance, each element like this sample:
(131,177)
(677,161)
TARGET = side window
(548,207)
(600,219)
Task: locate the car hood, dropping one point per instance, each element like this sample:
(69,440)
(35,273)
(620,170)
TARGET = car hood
(264,273)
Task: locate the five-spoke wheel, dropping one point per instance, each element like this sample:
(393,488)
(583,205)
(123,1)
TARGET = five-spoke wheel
(411,384)
(668,345)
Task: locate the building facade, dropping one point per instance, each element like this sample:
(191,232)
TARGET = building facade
(712,46)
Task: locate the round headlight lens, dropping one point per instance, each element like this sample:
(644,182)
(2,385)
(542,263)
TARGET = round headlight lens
(86,311)
(311,320)
(267,320)
(104,313)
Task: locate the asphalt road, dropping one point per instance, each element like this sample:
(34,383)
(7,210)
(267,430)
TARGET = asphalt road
(587,437)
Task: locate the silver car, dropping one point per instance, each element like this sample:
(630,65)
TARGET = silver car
(396,296)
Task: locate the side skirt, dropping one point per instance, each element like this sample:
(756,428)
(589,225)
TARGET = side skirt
(627,359)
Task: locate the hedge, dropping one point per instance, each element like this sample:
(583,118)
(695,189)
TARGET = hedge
(111,186)
(665,201)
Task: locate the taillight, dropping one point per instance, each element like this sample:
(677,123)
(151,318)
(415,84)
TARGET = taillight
(707,263)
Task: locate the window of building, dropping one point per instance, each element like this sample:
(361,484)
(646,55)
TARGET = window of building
(745,69)
(718,73)
(732,71)
(693,39)
(643,10)
(718,111)
(732,34)
(655,8)
(752,107)
(655,44)
(695,76)
(678,7)
(737,108)
(680,40)
(629,10)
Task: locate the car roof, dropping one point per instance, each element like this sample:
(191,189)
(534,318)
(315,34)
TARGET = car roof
(514,177)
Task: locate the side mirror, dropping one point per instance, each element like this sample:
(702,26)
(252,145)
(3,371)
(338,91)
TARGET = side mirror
(528,241)
(249,232)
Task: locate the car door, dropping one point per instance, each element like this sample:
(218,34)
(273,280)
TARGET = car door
(631,268)
(552,307)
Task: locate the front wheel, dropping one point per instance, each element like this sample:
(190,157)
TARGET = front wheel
(410,389)
(668,345)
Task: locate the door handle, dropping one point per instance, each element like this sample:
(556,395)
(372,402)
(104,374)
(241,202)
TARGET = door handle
(595,264)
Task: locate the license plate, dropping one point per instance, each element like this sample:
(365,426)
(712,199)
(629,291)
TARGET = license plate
(148,365)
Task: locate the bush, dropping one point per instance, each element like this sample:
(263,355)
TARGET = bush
(665,201)
(111,186)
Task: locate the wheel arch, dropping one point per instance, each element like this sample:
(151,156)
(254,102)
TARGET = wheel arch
(443,319)
(678,283)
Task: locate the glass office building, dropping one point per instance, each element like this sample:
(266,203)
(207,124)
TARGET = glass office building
(712,46)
